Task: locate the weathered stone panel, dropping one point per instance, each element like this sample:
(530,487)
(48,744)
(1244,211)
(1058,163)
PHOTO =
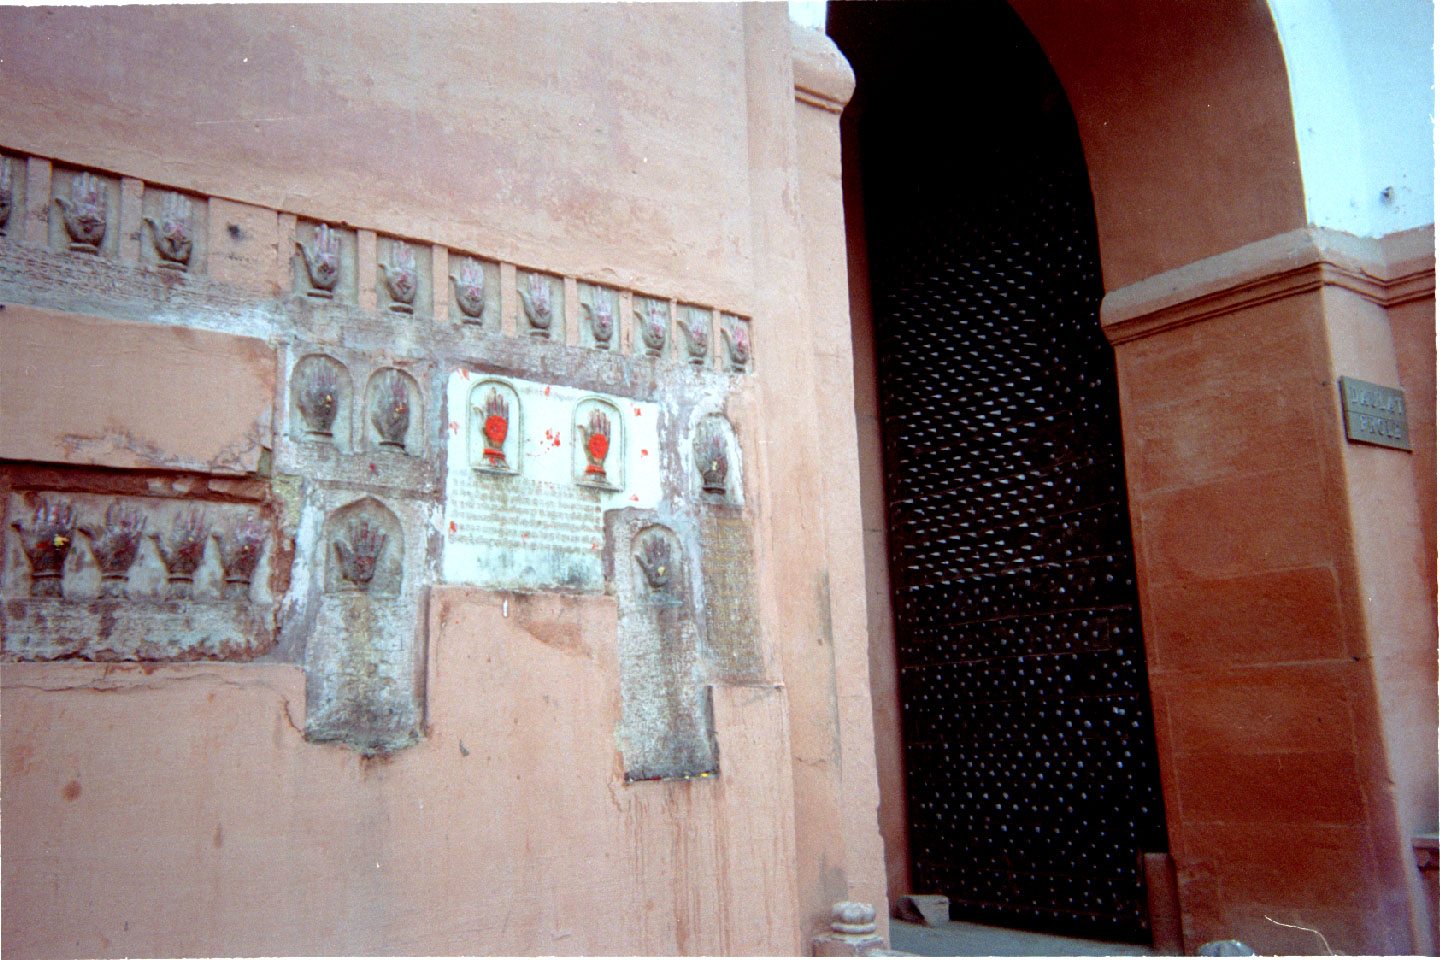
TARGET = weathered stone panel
(364,647)
(666,726)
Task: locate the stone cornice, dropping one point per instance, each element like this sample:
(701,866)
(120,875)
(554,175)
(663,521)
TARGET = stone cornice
(823,77)
(1398,269)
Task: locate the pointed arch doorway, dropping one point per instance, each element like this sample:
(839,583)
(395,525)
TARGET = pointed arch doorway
(1027,741)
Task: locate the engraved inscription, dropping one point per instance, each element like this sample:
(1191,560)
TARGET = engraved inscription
(732,626)
(522,531)
(534,516)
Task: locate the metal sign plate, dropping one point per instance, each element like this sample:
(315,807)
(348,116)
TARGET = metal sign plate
(1374,414)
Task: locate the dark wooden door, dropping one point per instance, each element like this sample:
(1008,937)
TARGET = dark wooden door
(1028,734)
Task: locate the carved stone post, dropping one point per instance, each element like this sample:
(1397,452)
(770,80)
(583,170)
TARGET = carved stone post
(852,933)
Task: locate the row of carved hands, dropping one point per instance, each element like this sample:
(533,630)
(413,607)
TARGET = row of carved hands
(694,324)
(711,457)
(495,425)
(535,298)
(318,397)
(321,256)
(86,216)
(116,543)
(85,219)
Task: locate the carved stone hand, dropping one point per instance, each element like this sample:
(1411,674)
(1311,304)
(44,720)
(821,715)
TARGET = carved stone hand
(85,214)
(536,301)
(322,258)
(601,318)
(391,412)
(171,234)
(6,194)
(184,553)
(654,321)
(496,427)
(737,343)
(240,555)
(360,556)
(711,460)
(654,560)
(115,546)
(318,398)
(596,444)
(695,324)
(46,544)
(400,277)
(470,289)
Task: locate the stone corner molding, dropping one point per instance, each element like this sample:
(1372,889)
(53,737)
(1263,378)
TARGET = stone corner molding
(823,77)
(1397,269)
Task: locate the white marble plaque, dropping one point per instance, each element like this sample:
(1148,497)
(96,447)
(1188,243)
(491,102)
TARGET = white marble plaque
(538,521)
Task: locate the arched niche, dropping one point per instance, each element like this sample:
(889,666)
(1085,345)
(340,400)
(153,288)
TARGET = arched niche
(714,457)
(495,427)
(599,445)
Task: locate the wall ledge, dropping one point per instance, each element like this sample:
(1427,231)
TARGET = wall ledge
(823,77)
(1390,271)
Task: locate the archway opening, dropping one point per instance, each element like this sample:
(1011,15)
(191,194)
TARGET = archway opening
(1019,712)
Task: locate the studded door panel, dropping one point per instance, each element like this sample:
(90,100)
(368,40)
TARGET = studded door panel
(1028,735)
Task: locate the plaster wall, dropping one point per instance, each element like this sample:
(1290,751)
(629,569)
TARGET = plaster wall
(668,150)
(1365,138)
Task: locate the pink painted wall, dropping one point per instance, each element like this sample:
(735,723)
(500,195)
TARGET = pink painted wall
(177,809)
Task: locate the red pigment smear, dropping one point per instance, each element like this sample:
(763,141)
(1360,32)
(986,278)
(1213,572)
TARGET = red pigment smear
(524,536)
(454,427)
(452,526)
(463,372)
(644,452)
(372,469)
(637,411)
(594,546)
(547,391)
(635,497)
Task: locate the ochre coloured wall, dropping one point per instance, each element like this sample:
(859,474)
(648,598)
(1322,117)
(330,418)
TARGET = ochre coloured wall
(606,141)
(1287,626)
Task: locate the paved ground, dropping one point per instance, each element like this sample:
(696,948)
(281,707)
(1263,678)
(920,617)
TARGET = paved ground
(956,939)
